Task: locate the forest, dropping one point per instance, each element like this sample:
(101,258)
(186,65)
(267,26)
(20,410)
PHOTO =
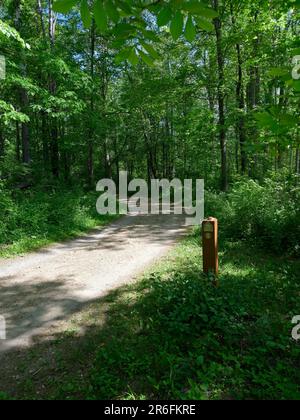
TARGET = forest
(184,89)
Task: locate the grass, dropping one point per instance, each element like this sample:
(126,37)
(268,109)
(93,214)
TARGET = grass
(172,335)
(34,219)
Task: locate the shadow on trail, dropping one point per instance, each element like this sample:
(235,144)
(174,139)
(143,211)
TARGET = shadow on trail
(24,312)
(170,336)
(39,290)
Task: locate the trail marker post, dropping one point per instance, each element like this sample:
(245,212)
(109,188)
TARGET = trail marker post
(210,248)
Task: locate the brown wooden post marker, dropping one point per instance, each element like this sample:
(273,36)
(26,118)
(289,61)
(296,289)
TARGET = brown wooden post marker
(210,247)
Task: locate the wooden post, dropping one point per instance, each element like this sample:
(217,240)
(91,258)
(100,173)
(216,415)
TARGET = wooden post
(210,247)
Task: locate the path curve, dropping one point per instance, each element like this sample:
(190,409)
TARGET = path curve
(45,287)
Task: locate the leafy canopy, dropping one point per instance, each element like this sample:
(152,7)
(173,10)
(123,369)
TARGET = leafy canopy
(136,22)
(7,32)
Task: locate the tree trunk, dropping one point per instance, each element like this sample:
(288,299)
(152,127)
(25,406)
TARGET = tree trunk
(241,106)
(240,98)
(54,152)
(253,91)
(18,142)
(221,99)
(52,89)
(23,94)
(45,138)
(297,167)
(1,143)
(90,162)
(281,148)
(25,143)
(40,13)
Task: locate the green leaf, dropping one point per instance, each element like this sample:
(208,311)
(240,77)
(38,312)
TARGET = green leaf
(190,30)
(85,14)
(164,16)
(205,24)
(150,50)
(196,8)
(265,119)
(150,35)
(112,11)
(200,360)
(289,120)
(146,58)
(209,13)
(100,15)
(296,85)
(124,6)
(124,30)
(123,55)
(278,72)
(176,27)
(64,6)
(10,33)
(133,57)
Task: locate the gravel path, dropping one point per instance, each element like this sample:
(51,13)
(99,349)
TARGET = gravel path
(48,286)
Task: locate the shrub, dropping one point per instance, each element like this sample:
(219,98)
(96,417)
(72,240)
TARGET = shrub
(30,219)
(268,214)
(7,211)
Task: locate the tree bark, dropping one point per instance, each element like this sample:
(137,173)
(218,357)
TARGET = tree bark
(241,106)
(40,13)
(221,99)
(253,90)
(25,138)
(298,161)
(18,142)
(90,162)
(1,143)
(240,98)
(23,94)
(52,89)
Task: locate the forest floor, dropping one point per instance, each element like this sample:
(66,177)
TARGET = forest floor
(170,334)
(42,289)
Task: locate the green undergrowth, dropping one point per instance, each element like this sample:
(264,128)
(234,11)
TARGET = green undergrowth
(173,335)
(33,219)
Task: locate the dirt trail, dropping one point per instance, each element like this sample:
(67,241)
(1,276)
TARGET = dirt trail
(43,288)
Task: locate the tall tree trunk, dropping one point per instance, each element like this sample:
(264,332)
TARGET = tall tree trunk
(253,89)
(52,89)
(45,138)
(90,162)
(103,92)
(65,158)
(241,105)
(211,102)
(18,142)
(1,143)
(25,141)
(40,14)
(23,94)
(240,98)
(298,160)
(54,151)
(221,99)
(281,148)
(44,132)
